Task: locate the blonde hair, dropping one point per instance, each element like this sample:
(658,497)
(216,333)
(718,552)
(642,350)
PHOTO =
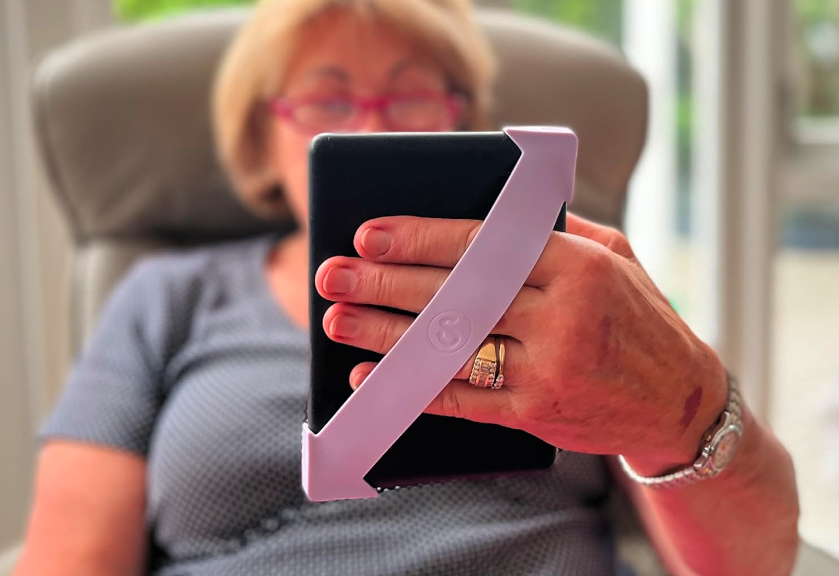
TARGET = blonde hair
(254,65)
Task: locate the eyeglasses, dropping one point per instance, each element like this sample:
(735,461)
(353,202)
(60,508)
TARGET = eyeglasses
(420,112)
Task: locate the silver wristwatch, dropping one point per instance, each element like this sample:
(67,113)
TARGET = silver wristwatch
(719,445)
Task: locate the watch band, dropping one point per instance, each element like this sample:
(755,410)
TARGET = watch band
(729,421)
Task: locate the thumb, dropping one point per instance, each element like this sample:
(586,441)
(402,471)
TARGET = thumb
(609,237)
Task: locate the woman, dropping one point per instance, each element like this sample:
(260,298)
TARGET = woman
(181,419)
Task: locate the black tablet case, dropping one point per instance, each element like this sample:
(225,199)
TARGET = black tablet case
(354,178)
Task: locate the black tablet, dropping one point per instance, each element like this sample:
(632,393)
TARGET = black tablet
(354,178)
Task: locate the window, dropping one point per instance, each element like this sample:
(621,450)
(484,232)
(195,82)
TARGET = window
(800,385)
(816,55)
(805,366)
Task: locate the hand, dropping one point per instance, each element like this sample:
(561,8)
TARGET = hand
(597,359)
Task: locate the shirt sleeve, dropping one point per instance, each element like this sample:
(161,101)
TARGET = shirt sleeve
(115,389)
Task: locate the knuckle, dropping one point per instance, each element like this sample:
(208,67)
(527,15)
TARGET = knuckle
(381,283)
(526,310)
(597,267)
(536,412)
(516,314)
(555,250)
(465,370)
(471,235)
(618,243)
(387,336)
(450,403)
(413,243)
(530,313)
(439,280)
(381,338)
(503,325)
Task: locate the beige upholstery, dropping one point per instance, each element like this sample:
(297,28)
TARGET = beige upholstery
(123,126)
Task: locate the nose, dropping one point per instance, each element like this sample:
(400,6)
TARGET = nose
(373,122)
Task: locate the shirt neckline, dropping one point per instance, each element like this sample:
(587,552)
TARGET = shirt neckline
(257,271)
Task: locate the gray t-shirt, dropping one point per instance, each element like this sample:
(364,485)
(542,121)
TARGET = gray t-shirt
(195,366)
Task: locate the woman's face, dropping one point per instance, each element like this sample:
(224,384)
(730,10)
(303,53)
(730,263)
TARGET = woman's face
(342,56)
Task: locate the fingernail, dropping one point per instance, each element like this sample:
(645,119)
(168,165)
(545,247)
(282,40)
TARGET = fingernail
(344,326)
(376,242)
(340,280)
(355,380)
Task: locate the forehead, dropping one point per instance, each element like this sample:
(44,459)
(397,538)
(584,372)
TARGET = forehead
(343,46)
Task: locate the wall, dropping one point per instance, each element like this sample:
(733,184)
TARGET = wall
(34,251)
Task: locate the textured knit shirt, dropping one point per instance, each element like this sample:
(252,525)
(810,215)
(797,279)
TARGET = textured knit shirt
(195,366)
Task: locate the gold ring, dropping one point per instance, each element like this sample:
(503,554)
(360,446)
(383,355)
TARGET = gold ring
(488,367)
(485,365)
(502,355)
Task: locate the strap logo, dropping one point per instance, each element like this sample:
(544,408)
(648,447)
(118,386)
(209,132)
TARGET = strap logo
(449,331)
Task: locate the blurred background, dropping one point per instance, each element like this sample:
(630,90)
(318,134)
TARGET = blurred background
(734,209)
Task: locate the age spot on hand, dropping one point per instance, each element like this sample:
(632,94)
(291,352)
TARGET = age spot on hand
(691,407)
(605,334)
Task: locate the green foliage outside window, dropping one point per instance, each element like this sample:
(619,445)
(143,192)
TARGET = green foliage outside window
(601,18)
(137,10)
(817,36)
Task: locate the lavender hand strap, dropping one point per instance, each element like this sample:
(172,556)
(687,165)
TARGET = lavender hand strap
(444,336)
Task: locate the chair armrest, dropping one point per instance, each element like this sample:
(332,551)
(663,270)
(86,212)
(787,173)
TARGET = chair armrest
(8,559)
(814,562)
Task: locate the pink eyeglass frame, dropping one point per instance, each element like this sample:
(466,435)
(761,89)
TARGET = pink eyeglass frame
(284,107)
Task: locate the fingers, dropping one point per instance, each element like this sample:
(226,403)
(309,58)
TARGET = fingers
(410,288)
(459,399)
(365,327)
(431,242)
(514,365)
(441,242)
(413,240)
(379,330)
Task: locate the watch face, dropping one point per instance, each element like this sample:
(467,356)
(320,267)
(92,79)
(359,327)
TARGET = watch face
(725,449)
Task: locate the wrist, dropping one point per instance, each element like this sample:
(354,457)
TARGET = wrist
(682,430)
